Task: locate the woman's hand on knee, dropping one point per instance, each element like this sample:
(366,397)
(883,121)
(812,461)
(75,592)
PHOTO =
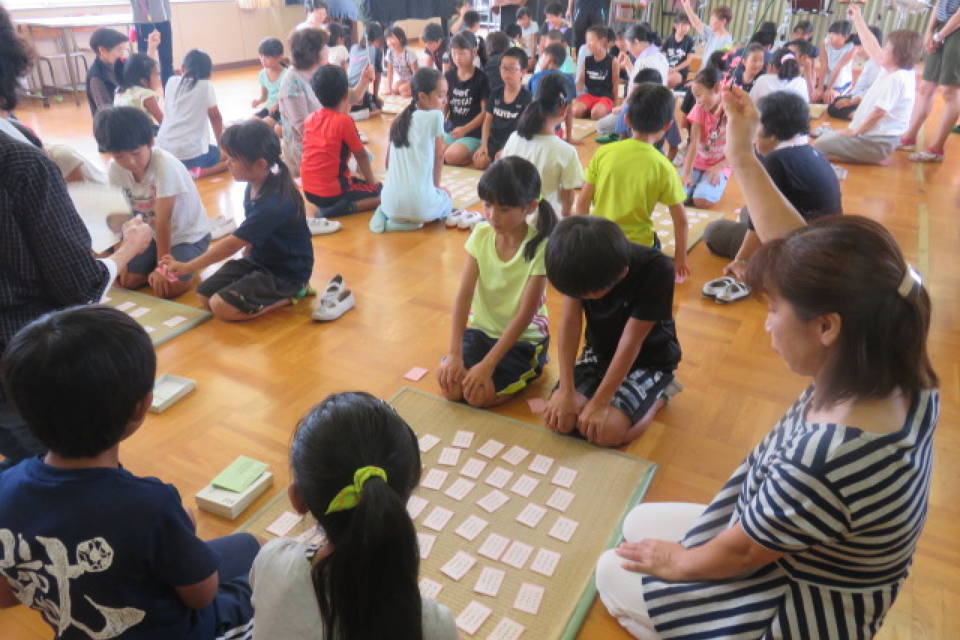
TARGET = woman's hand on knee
(654,557)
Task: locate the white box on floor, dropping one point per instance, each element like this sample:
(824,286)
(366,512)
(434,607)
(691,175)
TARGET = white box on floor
(169,389)
(231,504)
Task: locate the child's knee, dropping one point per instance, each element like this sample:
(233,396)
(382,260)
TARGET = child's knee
(131,280)
(599,111)
(224,310)
(457,154)
(169,290)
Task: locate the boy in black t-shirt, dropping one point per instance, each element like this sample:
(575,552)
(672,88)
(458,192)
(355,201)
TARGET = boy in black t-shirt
(599,78)
(504,107)
(677,49)
(624,375)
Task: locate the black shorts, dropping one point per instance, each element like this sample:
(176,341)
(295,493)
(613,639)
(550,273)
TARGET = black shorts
(523,363)
(247,286)
(263,113)
(636,394)
(354,190)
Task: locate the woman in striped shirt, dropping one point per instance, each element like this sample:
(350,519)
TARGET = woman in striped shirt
(813,535)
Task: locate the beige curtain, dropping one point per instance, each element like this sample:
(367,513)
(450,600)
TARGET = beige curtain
(254,4)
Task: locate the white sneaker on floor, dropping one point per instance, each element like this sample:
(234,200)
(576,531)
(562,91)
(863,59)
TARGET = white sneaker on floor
(361,114)
(331,307)
(323,226)
(469,220)
(221,226)
(453,219)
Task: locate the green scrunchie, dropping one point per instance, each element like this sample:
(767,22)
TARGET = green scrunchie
(349,496)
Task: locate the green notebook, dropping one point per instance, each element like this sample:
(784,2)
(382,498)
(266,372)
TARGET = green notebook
(240,474)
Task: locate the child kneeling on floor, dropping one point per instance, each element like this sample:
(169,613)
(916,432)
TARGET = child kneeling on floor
(117,555)
(278,254)
(500,335)
(625,374)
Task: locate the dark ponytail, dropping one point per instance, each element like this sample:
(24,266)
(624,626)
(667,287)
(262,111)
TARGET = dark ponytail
(786,69)
(197,65)
(550,98)
(253,140)
(425,80)
(366,588)
(515,182)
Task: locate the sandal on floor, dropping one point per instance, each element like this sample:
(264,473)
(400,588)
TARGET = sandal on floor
(716,286)
(926,156)
(732,293)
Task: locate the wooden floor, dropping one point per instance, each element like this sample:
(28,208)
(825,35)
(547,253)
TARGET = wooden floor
(256,380)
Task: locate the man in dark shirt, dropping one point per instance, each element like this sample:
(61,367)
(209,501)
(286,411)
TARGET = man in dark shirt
(586,14)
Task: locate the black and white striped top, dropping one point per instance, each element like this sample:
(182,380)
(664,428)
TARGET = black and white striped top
(847,506)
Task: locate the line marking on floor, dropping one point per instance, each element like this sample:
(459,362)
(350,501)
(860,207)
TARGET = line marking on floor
(923,240)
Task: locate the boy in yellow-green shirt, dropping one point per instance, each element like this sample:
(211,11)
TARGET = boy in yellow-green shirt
(625,180)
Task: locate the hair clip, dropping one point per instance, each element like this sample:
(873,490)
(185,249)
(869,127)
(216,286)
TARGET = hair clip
(275,168)
(910,278)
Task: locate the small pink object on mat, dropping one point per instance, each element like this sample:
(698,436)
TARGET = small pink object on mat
(537,405)
(416,374)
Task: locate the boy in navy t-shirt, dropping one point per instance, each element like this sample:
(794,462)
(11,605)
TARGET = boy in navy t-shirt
(98,551)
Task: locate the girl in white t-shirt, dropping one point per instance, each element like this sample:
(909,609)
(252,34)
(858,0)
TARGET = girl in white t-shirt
(190,103)
(535,140)
(784,75)
(354,465)
(139,86)
(337,53)
(836,73)
(412,194)
(401,63)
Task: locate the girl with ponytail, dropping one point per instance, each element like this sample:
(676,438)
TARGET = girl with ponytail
(274,236)
(499,337)
(557,162)
(784,75)
(354,463)
(412,195)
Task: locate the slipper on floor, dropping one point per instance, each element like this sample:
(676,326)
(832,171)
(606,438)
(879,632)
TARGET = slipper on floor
(323,226)
(716,286)
(732,293)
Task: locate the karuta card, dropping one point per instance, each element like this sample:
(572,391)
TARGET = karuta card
(515,455)
(541,464)
(564,477)
(430,589)
(499,478)
(489,581)
(506,629)
(524,485)
(426,542)
(460,488)
(545,562)
(471,527)
(139,311)
(415,373)
(473,468)
(560,499)
(438,518)
(174,321)
(493,501)
(463,439)
(516,554)
(282,525)
(458,566)
(494,546)
(434,479)
(529,598)
(472,617)
(491,448)
(531,515)
(428,441)
(124,306)
(563,529)
(415,506)
(449,456)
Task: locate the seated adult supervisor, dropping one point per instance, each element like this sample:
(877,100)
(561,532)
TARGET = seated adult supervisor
(814,533)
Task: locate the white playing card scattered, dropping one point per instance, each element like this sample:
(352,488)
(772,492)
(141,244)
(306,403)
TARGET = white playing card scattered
(560,500)
(460,488)
(282,525)
(434,479)
(564,477)
(438,518)
(428,441)
(463,439)
(491,448)
(541,464)
(545,562)
(140,311)
(415,506)
(516,554)
(499,478)
(524,485)
(426,542)
(123,306)
(458,565)
(515,455)
(563,529)
(148,329)
(529,598)
(430,589)
(494,546)
(531,515)
(493,501)
(506,629)
(449,456)
(473,468)
(489,581)
(471,527)
(472,617)
(174,321)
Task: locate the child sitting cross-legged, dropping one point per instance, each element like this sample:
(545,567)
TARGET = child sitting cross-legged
(611,394)
(278,254)
(504,107)
(625,180)
(159,188)
(600,78)
(500,335)
(354,463)
(97,550)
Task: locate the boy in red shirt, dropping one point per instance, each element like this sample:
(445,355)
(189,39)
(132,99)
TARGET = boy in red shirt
(329,138)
